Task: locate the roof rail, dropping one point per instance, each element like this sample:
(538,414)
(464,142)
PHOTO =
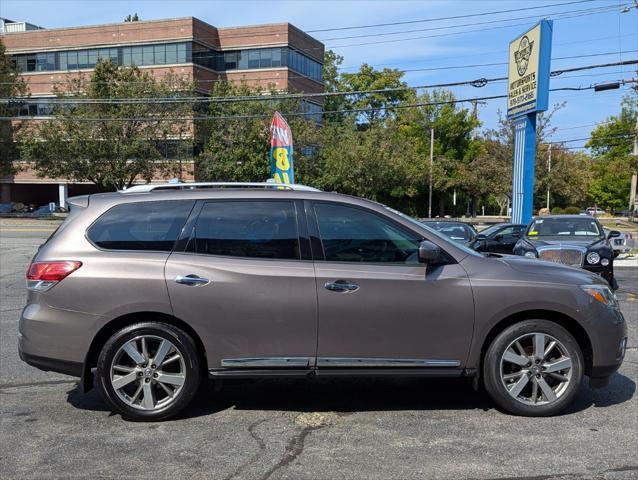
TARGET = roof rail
(153,187)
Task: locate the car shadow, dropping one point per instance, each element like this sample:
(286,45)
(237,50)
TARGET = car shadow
(350,395)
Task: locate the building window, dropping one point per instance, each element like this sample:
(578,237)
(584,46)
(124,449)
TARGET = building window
(160,54)
(172,53)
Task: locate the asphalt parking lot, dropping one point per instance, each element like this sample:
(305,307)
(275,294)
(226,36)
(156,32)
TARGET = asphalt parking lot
(326,429)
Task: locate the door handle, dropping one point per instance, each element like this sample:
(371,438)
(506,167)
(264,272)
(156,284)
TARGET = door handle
(341,286)
(192,280)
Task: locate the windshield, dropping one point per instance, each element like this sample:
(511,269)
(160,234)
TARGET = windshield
(455,231)
(432,231)
(490,230)
(564,227)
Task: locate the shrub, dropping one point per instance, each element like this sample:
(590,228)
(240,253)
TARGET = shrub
(571,210)
(557,211)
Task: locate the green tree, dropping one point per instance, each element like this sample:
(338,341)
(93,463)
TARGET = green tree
(368,78)
(332,83)
(611,145)
(454,148)
(132,18)
(116,142)
(238,148)
(11,86)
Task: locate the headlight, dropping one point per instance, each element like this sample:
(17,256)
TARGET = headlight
(604,262)
(593,258)
(602,294)
(530,254)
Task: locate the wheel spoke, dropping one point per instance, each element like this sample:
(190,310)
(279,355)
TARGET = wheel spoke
(539,345)
(534,390)
(144,348)
(549,393)
(511,357)
(519,347)
(137,393)
(549,349)
(170,360)
(124,381)
(149,396)
(162,351)
(171,378)
(512,376)
(561,364)
(123,368)
(168,391)
(518,386)
(558,376)
(131,349)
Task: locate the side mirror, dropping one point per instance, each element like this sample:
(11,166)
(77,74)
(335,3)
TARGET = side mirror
(613,234)
(429,253)
(480,242)
(498,237)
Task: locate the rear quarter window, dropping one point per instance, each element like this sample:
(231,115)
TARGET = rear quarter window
(150,226)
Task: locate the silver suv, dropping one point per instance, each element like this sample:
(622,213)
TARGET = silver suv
(148,292)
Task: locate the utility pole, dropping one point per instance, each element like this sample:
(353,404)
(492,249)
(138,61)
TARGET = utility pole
(632,193)
(549,171)
(431,168)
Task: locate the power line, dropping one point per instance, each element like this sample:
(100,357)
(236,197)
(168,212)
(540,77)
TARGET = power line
(277,97)
(288,114)
(489,22)
(606,10)
(563,15)
(455,17)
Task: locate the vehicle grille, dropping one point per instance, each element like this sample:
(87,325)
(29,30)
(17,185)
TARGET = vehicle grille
(566,256)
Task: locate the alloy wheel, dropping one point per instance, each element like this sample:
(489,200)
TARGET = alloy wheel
(536,369)
(148,372)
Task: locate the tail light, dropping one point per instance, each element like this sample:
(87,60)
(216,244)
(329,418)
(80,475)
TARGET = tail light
(42,276)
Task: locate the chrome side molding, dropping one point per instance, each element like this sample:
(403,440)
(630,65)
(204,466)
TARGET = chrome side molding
(267,362)
(329,362)
(384,362)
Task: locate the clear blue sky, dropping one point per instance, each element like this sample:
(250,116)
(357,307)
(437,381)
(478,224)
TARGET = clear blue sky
(585,33)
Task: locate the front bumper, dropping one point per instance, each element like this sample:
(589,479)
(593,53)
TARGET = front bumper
(609,344)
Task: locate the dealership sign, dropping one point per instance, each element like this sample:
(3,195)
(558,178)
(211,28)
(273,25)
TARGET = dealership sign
(527,94)
(528,66)
(281,166)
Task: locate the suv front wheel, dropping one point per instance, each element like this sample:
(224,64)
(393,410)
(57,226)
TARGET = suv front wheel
(149,371)
(533,368)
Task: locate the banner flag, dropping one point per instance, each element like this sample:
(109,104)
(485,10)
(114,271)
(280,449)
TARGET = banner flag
(281,166)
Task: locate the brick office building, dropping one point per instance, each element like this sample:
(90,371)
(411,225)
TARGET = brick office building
(278,55)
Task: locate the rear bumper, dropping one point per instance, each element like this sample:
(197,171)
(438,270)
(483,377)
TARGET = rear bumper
(51,364)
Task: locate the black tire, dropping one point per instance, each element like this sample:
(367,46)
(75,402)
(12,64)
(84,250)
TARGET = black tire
(494,384)
(192,365)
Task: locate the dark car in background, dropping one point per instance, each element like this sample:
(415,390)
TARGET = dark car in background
(499,238)
(459,232)
(574,240)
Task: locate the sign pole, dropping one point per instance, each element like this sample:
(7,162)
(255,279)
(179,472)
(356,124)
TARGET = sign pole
(528,93)
(431,168)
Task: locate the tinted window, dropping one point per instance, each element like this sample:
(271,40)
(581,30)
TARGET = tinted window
(353,235)
(141,226)
(248,229)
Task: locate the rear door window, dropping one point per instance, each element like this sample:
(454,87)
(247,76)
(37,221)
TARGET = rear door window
(256,229)
(150,226)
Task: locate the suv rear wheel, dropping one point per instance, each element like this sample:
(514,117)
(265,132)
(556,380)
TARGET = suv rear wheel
(533,368)
(149,371)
